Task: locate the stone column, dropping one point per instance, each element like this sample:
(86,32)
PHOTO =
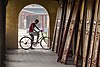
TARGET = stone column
(2,31)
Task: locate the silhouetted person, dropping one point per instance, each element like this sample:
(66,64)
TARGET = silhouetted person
(34,30)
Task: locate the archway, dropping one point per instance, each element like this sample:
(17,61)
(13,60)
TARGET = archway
(27,15)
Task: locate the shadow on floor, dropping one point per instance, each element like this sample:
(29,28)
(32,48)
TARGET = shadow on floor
(33,58)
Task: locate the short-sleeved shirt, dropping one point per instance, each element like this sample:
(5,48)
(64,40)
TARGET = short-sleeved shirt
(31,28)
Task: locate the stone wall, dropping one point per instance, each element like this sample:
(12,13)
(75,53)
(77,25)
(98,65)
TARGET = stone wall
(13,9)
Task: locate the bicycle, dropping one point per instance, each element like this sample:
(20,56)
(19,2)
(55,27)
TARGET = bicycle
(27,42)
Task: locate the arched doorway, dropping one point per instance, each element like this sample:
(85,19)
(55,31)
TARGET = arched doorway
(27,15)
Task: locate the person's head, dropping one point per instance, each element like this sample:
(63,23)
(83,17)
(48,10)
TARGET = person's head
(36,21)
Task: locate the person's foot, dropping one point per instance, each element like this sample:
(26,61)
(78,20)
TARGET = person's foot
(32,48)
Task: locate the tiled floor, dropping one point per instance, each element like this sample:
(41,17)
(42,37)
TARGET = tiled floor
(33,58)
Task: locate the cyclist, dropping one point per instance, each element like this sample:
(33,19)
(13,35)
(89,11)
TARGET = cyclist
(34,30)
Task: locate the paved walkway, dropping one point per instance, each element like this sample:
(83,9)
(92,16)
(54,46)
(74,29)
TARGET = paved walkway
(33,58)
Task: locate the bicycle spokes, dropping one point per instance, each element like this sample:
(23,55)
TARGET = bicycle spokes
(25,43)
(45,43)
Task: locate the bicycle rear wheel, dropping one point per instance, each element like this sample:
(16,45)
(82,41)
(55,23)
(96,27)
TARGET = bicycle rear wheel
(25,43)
(45,43)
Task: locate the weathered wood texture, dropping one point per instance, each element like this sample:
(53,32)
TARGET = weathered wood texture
(61,29)
(82,24)
(96,48)
(66,32)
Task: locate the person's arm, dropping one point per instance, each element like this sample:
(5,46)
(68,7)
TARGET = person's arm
(37,28)
(34,30)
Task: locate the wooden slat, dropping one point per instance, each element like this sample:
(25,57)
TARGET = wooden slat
(88,36)
(67,44)
(60,27)
(93,17)
(91,45)
(85,43)
(95,51)
(93,33)
(58,18)
(63,19)
(70,32)
(54,36)
(79,37)
(64,22)
(66,32)
(77,44)
(98,16)
(99,53)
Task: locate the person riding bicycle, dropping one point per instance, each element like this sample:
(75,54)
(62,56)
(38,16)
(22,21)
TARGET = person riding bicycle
(34,30)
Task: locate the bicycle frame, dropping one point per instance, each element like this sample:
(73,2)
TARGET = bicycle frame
(41,36)
(27,44)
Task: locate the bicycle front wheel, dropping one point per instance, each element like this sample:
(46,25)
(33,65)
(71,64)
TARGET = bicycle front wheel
(45,43)
(25,43)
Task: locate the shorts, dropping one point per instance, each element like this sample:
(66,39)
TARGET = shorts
(34,33)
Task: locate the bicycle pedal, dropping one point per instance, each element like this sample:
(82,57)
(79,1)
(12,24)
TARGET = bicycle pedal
(35,45)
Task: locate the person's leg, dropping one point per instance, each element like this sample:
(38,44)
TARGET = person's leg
(37,36)
(32,36)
